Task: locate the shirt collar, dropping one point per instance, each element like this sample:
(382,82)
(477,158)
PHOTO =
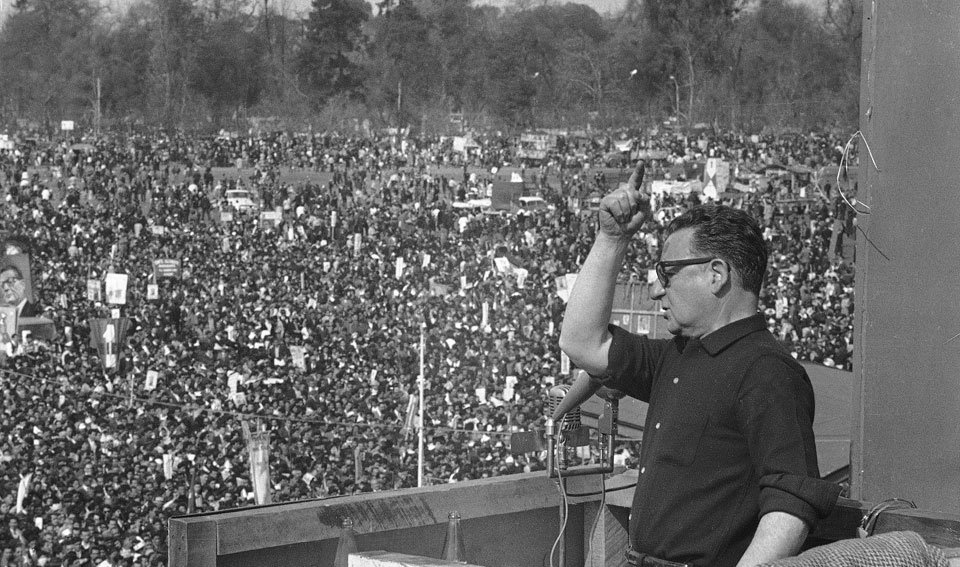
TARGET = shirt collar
(732,332)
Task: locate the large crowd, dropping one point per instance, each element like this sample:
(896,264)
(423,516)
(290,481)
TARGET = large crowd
(308,324)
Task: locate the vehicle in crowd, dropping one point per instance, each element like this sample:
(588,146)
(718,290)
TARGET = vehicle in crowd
(473,204)
(534,204)
(240,200)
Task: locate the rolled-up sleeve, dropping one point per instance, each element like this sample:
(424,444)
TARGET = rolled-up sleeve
(776,410)
(809,499)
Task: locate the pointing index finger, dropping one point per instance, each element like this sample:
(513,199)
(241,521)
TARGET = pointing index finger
(636,178)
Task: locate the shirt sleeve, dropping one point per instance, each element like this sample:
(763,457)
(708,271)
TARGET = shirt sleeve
(631,363)
(775,412)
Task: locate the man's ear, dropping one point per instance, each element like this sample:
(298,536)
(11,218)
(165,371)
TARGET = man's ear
(721,276)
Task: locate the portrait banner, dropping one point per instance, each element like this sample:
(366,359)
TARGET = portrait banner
(17,266)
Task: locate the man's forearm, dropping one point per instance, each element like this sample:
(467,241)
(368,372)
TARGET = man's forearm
(584,336)
(779,535)
(581,389)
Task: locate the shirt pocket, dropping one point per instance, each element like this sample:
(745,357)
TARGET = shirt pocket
(680,440)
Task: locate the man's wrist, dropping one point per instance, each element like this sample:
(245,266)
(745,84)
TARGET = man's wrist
(618,241)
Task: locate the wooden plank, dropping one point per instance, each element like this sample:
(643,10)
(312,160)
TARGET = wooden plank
(390,559)
(260,527)
(192,543)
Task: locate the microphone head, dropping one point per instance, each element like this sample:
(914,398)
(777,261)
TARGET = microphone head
(555,395)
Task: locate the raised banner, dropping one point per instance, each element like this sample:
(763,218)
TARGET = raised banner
(94,290)
(299,357)
(150,383)
(8,320)
(116,285)
(258,449)
(166,268)
(276,217)
(107,336)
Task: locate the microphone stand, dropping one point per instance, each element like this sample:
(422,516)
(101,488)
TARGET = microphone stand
(607,428)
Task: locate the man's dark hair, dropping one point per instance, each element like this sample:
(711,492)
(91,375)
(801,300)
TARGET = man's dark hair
(7,267)
(729,234)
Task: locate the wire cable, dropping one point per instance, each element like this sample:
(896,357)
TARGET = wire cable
(561,446)
(596,520)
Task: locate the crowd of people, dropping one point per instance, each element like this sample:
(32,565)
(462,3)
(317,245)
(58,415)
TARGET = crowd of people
(313,323)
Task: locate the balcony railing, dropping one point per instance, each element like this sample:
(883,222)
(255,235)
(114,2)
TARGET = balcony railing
(506,521)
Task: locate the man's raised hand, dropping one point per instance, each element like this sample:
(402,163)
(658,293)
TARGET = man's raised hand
(623,211)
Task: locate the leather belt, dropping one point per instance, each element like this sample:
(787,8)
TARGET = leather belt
(638,559)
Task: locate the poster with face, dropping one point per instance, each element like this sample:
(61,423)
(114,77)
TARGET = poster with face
(16,286)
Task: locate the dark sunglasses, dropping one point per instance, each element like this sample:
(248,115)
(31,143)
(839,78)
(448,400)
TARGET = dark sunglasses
(662,266)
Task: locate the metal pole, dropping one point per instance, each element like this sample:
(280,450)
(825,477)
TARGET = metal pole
(422,380)
(98,107)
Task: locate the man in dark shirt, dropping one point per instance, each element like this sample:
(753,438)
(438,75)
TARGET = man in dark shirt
(728,470)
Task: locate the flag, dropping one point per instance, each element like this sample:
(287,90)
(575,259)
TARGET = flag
(357,464)
(22,490)
(168,466)
(116,289)
(410,422)
(107,336)
(192,491)
(258,450)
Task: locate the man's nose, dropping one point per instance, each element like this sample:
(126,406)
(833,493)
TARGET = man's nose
(657,290)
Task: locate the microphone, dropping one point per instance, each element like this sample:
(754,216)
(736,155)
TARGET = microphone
(571,419)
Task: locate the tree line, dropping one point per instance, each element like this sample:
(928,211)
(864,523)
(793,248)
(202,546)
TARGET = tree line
(431,64)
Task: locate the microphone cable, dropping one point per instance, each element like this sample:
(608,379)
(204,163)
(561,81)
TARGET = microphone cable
(560,446)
